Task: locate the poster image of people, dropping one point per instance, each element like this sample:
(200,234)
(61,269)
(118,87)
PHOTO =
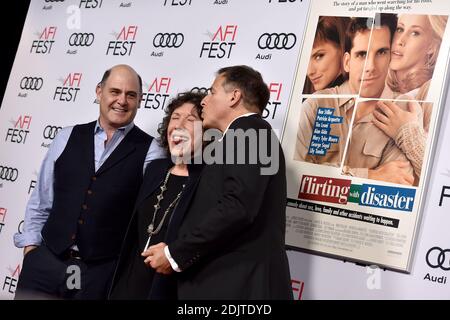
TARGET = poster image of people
(359,133)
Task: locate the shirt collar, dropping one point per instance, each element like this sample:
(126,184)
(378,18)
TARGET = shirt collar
(241,116)
(125,129)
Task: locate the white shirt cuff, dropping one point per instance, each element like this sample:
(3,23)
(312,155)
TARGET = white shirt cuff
(172,262)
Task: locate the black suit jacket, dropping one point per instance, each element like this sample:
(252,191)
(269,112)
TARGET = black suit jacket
(231,244)
(162,287)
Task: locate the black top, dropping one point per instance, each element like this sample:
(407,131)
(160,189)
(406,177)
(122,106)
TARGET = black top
(137,278)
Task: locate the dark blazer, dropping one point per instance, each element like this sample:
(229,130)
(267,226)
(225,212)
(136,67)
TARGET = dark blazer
(162,286)
(231,244)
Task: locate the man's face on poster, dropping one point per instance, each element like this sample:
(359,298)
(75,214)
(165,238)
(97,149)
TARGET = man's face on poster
(355,59)
(368,66)
(377,63)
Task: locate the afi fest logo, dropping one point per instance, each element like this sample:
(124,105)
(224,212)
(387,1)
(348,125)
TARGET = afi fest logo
(69,90)
(125,40)
(177,2)
(157,93)
(19,133)
(10,282)
(90,4)
(271,109)
(2,218)
(221,43)
(297,289)
(45,42)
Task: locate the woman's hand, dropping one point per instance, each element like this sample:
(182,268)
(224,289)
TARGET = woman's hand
(389,117)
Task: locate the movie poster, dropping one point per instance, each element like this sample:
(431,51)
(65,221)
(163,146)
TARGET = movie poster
(361,126)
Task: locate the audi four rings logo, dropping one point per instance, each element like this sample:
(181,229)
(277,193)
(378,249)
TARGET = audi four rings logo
(201,90)
(50,132)
(81,39)
(168,40)
(31,83)
(277,41)
(8,174)
(438,258)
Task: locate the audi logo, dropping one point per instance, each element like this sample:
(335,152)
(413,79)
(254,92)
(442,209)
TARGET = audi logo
(81,39)
(438,258)
(277,41)
(31,83)
(168,40)
(8,174)
(20,227)
(201,90)
(50,132)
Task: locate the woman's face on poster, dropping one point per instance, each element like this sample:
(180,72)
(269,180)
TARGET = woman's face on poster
(411,45)
(324,64)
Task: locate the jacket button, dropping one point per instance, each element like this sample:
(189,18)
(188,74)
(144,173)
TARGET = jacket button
(89,192)
(73,237)
(80,221)
(84,207)
(94,178)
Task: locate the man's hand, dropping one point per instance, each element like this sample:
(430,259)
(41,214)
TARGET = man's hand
(394,171)
(157,259)
(28,249)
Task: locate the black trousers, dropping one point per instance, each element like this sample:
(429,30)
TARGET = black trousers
(47,276)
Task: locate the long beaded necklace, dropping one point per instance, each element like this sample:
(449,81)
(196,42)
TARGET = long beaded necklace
(151,227)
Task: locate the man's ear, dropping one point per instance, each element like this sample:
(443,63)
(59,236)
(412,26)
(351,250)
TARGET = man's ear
(98,92)
(346,62)
(236,96)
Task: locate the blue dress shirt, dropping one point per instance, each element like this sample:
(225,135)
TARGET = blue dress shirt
(41,200)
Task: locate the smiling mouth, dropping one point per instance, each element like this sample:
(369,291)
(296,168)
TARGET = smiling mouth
(316,79)
(116,109)
(366,80)
(397,54)
(177,138)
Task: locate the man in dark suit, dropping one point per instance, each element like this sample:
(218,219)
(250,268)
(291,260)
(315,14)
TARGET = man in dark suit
(231,242)
(76,218)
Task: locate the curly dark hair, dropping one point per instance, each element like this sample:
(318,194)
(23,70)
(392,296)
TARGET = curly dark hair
(184,97)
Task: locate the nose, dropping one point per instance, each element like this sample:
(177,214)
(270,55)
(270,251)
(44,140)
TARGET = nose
(122,99)
(203,103)
(311,69)
(370,63)
(401,40)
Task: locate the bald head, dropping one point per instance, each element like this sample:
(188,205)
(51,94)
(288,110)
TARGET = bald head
(121,68)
